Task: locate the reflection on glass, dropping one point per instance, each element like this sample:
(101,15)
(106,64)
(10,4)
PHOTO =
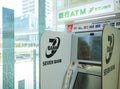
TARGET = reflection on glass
(26,41)
(89,47)
(89,50)
(0,50)
(62,4)
(87,81)
(0,60)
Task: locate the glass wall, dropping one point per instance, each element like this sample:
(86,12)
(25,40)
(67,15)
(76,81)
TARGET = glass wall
(20,29)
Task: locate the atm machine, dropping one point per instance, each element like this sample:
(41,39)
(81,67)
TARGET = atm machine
(94,61)
(86,59)
(87,62)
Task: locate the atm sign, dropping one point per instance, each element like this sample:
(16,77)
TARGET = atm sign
(86,10)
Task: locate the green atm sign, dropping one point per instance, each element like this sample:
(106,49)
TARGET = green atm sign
(87,10)
(73,13)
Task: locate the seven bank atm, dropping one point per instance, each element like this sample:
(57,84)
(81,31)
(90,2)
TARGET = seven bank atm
(80,60)
(95,60)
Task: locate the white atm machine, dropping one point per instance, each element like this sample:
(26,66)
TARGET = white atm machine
(82,60)
(87,65)
(94,61)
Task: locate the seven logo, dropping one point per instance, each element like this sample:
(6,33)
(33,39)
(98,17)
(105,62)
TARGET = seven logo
(110,48)
(53,47)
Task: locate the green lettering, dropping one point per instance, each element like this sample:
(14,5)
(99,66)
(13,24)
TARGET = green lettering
(72,14)
(82,11)
(105,7)
(67,14)
(76,11)
(108,6)
(61,15)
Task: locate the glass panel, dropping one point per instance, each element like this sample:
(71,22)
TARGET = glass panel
(86,81)
(25,45)
(62,4)
(0,53)
(25,41)
(50,14)
(90,46)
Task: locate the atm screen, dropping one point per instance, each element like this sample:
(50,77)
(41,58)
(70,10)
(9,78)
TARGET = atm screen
(89,46)
(87,81)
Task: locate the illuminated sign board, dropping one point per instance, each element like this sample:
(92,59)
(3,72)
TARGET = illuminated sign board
(97,8)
